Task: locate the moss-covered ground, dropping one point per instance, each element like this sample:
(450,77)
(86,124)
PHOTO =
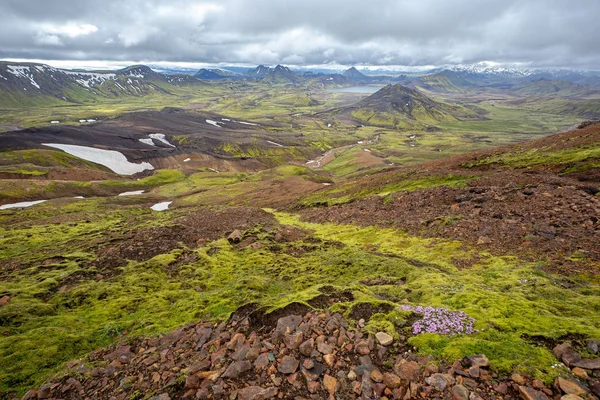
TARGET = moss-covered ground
(60,309)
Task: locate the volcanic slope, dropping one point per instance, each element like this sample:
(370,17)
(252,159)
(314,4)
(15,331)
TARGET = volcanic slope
(183,132)
(400,107)
(536,199)
(81,274)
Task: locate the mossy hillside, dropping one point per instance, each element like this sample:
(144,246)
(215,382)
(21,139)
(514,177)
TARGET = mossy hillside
(347,192)
(31,189)
(569,159)
(43,327)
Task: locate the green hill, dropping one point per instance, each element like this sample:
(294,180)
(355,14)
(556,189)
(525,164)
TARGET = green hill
(400,107)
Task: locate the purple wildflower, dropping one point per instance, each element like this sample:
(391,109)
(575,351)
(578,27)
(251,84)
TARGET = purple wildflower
(441,321)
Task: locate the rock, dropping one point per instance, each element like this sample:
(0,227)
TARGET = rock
(253,354)
(313,386)
(571,386)
(288,365)
(586,363)
(459,392)
(479,360)
(391,381)
(362,348)
(529,393)
(262,361)
(236,369)
(286,325)
(256,393)
(294,340)
(518,378)
(571,397)
(593,345)
(570,357)
(560,349)
(330,384)
(324,348)
(162,396)
(307,347)
(474,372)
(237,340)
(407,370)
(235,236)
(351,375)
(596,389)
(192,382)
(440,381)
(329,360)
(384,339)
(580,373)
(30,395)
(376,376)
(308,363)
(431,369)
(357,387)
(4,300)
(44,392)
(484,240)
(502,388)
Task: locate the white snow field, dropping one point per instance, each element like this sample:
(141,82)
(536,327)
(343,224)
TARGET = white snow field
(21,204)
(112,159)
(161,206)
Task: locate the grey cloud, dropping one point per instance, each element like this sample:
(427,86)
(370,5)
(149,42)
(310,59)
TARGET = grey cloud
(557,33)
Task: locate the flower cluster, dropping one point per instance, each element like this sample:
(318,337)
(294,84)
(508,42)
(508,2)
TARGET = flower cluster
(441,320)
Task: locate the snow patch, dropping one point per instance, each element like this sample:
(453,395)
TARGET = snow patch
(114,160)
(79,197)
(161,138)
(214,123)
(276,144)
(23,72)
(225,119)
(55,122)
(246,123)
(132,193)
(187,160)
(82,121)
(91,120)
(367,150)
(21,204)
(161,206)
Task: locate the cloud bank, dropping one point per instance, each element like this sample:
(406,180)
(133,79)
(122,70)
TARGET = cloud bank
(537,33)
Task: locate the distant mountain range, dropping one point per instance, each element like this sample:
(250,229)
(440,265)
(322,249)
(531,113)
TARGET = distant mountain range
(30,84)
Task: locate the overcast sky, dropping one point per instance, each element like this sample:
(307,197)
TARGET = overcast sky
(537,33)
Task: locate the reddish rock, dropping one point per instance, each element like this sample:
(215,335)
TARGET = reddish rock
(330,385)
(256,393)
(329,360)
(192,382)
(571,386)
(459,392)
(293,340)
(307,347)
(288,365)
(407,370)
(236,369)
(262,361)
(362,348)
(4,300)
(391,381)
(376,376)
(529,393)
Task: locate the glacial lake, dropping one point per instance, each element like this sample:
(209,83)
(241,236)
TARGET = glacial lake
(357,89)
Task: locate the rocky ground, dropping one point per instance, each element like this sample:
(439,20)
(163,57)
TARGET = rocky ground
(316,355)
